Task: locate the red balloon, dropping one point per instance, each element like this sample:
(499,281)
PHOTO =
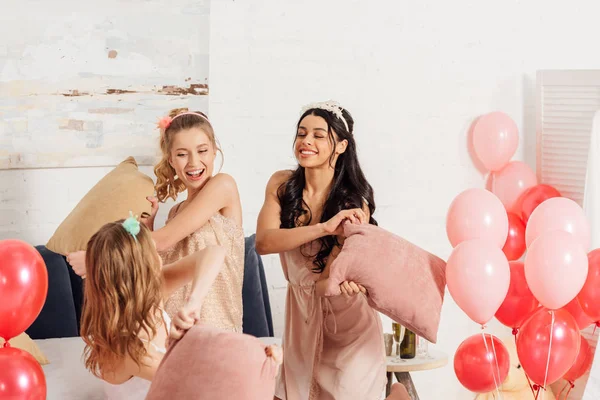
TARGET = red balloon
(519,302)
(21,376)
(533,197)
(481,369)
(574,308)
(589,296)
(583,362)
(533,342)
(515,246)
(23,286)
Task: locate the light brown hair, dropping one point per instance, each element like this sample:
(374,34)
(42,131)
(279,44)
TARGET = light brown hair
(123,291)
(167,184)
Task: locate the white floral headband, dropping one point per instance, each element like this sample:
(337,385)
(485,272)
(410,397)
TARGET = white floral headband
(332,106)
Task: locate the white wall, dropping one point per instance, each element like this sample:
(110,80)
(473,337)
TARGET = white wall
(413,74)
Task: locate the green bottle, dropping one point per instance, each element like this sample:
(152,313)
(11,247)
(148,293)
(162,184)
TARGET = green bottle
(408,347)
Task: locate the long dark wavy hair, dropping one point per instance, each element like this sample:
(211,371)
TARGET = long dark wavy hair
(350,189)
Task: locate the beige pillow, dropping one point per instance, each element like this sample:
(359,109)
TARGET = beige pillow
(24,342)
(123,189)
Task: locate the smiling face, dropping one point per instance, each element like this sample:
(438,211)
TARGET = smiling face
(314,145)
(193,157)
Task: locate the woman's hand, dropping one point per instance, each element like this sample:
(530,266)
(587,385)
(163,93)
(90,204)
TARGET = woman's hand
(335,227)
(186,317)
(275,352)
(77,261)
(351,288)
(148,219)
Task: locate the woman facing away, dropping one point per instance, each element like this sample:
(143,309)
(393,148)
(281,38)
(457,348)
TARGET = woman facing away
(211,215)
(333,347)
(123,323)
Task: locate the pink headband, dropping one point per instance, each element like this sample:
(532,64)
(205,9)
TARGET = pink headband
(165,122)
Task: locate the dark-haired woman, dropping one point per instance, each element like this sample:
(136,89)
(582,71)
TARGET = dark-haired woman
(333,347)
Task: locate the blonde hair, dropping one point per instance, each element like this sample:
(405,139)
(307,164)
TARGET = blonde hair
(167,184)
(123,290)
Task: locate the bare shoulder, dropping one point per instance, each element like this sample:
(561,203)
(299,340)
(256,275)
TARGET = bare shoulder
(225,181)
(278,178)
(223,186)
(121,373)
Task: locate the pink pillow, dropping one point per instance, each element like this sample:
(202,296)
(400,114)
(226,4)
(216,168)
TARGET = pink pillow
(208,363)
(403,281)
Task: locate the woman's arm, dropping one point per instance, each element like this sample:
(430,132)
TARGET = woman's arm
(270,238)
(201,268)
(220,192)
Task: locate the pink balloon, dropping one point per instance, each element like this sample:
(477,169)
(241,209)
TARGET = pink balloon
(511,182)
(558,213)
(478,277)
(495,140)
(477,214)
(556,268)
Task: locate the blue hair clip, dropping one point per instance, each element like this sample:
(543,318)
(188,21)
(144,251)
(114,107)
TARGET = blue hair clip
(132,225)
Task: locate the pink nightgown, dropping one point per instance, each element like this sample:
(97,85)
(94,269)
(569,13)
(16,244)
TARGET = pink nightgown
(333,347)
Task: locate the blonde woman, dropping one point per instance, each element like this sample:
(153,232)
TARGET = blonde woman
(211,215)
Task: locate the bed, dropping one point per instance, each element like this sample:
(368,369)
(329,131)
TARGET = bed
(66,376)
